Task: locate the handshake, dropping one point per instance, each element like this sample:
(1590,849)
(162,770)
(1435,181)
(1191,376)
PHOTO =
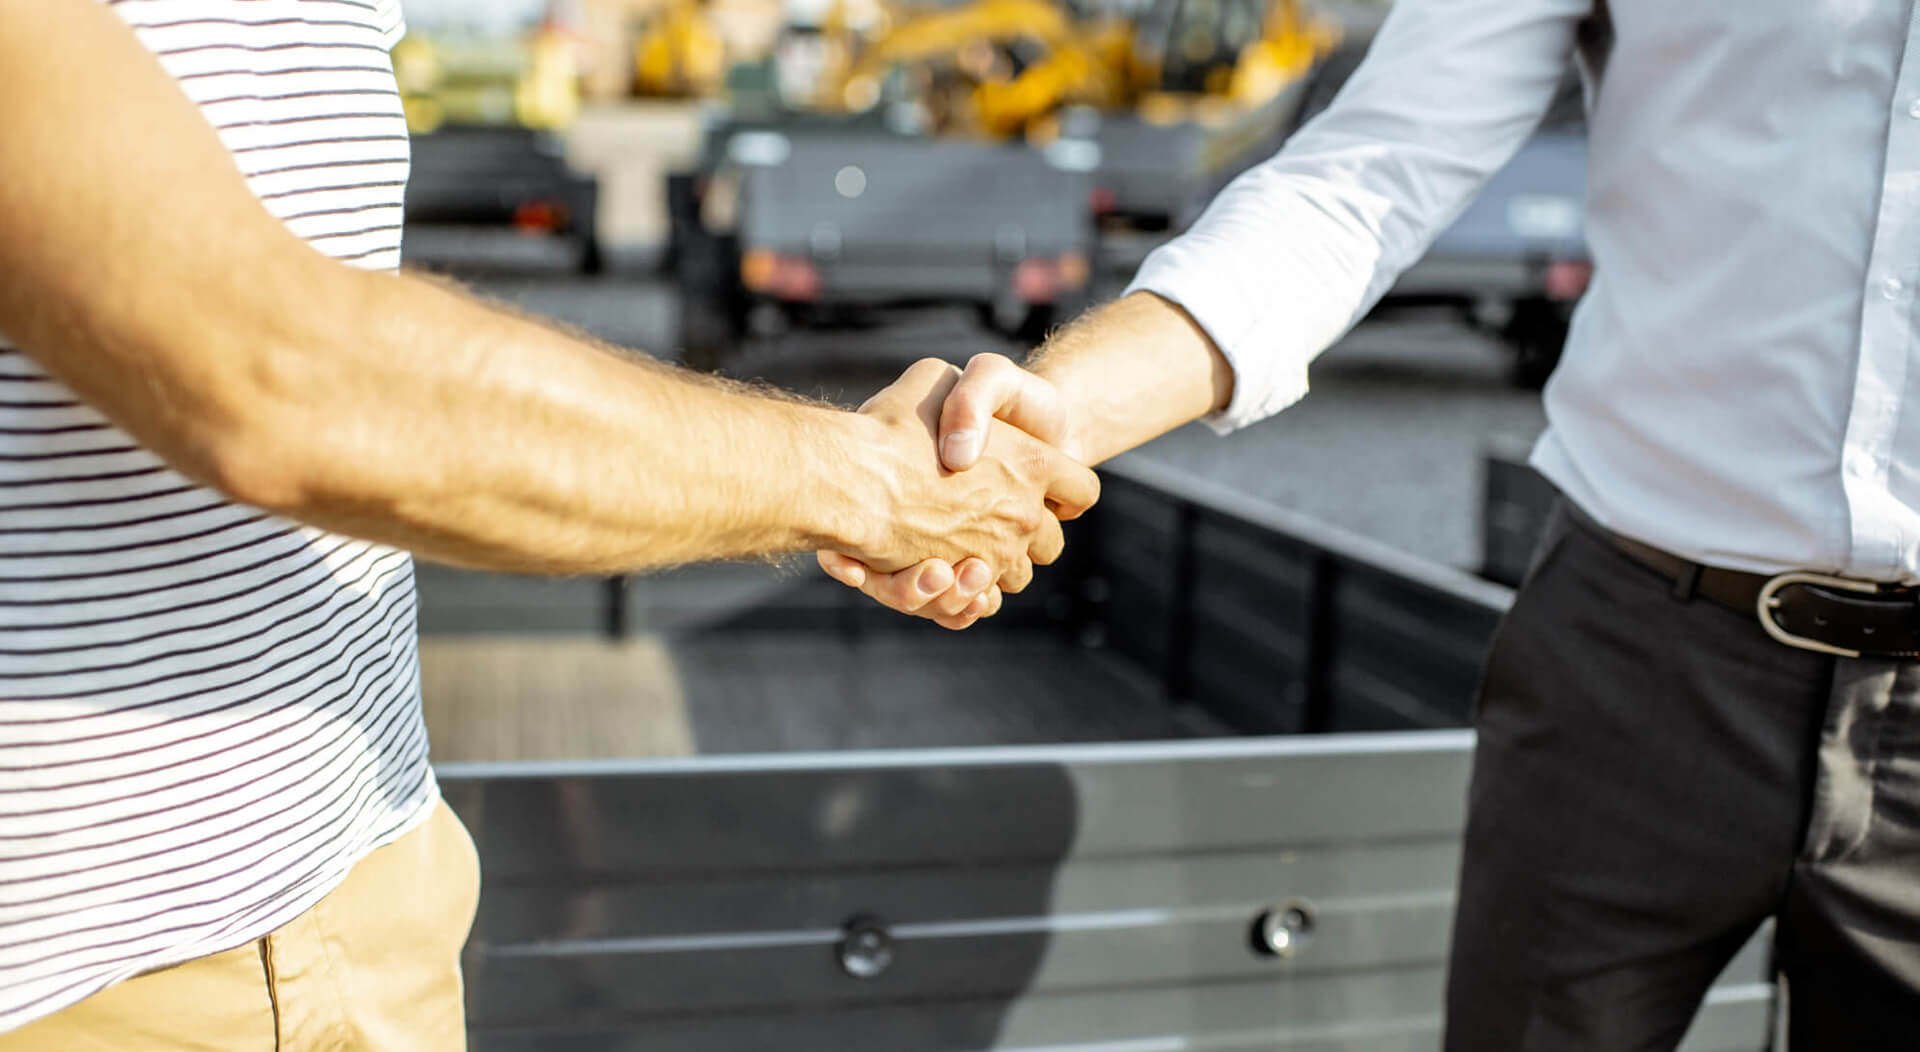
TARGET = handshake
(981,469)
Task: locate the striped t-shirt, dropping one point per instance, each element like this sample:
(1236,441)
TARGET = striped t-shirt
(207,714)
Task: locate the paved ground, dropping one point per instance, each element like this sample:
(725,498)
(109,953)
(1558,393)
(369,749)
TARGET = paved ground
(1388,444)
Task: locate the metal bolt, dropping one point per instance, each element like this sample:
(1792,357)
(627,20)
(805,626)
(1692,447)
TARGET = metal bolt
(1283,930)
(866,949)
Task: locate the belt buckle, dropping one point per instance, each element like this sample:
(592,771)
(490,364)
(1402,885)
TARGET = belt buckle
(1770,600)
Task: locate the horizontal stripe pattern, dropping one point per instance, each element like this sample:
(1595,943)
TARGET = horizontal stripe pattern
(207,714)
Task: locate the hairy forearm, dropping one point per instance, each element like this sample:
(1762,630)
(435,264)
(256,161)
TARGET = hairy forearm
(417,416)
(1131,371)
(391,408)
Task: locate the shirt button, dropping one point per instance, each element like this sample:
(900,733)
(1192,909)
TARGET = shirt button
(1891,288)
(1913,108)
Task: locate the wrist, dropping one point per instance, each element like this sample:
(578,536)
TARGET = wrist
(1075,438)
(849,499)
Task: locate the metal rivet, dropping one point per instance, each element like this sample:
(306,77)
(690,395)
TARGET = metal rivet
(866,948)
(1284,930)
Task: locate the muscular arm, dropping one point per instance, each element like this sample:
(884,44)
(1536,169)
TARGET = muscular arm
(138,269)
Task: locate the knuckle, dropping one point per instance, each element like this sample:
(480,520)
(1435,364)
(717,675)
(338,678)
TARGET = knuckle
(988,363)
(928,370)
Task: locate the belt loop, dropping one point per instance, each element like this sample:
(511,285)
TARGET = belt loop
(1685,585)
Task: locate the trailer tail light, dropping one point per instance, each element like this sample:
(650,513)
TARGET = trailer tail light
(1035,281)
(539,217)
(757,269)
(1567,280)
(1043,280)
(791,278)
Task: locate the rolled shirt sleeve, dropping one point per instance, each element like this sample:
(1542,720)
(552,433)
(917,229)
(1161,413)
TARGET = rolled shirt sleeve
(1297,249)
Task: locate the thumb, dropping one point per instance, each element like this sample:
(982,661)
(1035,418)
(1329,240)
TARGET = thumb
(960,448)
(992,386)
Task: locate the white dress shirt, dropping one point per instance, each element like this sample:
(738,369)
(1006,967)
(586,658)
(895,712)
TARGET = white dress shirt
(1736,384)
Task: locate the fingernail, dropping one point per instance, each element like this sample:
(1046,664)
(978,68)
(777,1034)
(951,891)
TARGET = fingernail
(855,576)
(930,581)
(975,577)
(960,448)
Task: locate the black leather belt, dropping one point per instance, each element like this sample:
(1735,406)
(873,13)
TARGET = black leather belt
(1811,611)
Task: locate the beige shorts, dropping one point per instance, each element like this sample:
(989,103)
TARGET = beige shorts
(374,965)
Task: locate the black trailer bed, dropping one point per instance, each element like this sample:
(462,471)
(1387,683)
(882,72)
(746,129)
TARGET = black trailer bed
(1202,789)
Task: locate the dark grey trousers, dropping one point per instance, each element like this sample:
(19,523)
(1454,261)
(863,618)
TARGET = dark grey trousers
(1654,778)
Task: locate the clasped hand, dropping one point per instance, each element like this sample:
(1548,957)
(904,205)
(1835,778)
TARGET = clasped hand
(1006,478)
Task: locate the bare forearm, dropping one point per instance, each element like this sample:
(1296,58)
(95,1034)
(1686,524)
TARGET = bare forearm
(1131,371)
(473,436)
(394,409)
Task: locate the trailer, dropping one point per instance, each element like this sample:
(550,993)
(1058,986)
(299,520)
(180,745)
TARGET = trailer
(824,219)
(502,179)
(1201,788)
(1159,175)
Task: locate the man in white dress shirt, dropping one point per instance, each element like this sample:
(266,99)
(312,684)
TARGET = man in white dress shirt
(1662,765)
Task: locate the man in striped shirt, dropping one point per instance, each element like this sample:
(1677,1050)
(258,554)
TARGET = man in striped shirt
(224,421)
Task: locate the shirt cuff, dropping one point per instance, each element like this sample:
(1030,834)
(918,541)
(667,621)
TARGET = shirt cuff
(1267,376)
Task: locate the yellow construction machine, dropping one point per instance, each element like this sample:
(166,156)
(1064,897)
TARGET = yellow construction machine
(988,67)
(679,53)
(1004,68)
